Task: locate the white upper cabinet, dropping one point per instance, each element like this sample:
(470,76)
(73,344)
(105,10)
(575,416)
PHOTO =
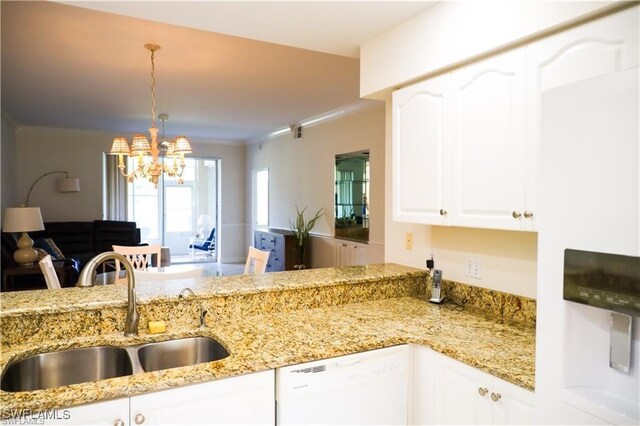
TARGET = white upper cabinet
(466,144)
(460,148)
(421,175)
(601,47)
(489,144)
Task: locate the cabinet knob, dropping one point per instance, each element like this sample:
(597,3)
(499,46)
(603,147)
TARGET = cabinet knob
(495,396)
(139,419)
(528,214)
(118,422)
(516,215)
(443,212)
(483,391)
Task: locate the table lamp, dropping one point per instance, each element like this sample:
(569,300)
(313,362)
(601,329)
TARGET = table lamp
(23,219)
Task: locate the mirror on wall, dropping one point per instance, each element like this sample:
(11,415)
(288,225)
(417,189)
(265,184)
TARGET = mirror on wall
(352,196)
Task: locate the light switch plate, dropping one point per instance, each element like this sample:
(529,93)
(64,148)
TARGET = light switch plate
(408,241)
(474,268)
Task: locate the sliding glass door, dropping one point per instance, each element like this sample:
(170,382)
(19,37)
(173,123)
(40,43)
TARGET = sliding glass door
(179,215)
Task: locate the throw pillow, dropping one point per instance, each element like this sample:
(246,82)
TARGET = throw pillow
(41,253)
(51,247)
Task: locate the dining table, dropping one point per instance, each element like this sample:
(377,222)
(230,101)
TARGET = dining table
(161,273)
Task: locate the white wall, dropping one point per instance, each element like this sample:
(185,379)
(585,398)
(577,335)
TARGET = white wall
(508,257)
(301,172)
(233,219)
(40,150)
(8,171)
(452,32)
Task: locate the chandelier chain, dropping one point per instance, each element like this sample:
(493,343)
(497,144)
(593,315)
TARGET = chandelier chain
(153,169)
(153,90)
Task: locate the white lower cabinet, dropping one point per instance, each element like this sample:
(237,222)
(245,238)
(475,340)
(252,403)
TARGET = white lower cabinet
(113,412)
(349,253)
(447,391)
(374,387)
(247,399)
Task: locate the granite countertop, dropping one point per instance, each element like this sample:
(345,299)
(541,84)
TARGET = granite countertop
(275,338)
(103,296)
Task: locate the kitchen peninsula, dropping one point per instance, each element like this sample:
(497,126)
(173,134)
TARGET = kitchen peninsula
(267,322)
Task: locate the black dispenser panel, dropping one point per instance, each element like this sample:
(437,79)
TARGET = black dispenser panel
(608,281)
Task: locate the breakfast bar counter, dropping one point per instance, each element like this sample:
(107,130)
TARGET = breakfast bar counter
(265,322)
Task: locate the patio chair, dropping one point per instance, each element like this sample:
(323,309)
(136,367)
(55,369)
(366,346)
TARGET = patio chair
(208,245)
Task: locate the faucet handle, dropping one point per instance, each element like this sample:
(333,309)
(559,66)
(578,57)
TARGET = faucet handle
(203,314)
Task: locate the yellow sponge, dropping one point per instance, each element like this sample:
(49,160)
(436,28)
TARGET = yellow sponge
(157,327)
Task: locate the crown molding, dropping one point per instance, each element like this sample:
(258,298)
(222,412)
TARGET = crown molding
(110,135)
(60,130)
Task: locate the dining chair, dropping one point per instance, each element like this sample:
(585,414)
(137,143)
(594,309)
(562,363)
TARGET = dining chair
(140,257)
(256,261)
(49,272)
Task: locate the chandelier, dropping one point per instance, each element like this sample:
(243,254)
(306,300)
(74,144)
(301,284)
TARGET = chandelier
(140,147)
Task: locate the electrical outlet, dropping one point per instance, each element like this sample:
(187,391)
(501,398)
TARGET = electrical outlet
(408,241)
(474,268)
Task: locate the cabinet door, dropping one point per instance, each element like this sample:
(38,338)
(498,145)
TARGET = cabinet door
(513,405)
(276,258)
(461,393)
(342,254)
(421,152)
(245,399)
(97,413)
(601,47)
(424,388)
(360,254)
(489,143)
(349,254)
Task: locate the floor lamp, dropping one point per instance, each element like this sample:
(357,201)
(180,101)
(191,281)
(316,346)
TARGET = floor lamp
(65,184)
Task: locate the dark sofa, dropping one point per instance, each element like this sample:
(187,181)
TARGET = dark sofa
(78,241)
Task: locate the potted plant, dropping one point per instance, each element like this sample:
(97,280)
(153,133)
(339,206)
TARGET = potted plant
(301,229)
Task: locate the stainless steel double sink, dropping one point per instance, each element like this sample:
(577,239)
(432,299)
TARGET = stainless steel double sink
(73,366)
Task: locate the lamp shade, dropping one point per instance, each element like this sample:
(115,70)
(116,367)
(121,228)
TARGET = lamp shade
(171,149)
(204,220)
(68,184)
(22,219)
(119,146)
(140,145)
(182,145)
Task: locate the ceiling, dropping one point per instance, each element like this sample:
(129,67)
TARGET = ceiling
(278,63)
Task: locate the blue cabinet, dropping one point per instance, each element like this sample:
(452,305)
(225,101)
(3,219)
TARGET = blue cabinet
(281,244)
